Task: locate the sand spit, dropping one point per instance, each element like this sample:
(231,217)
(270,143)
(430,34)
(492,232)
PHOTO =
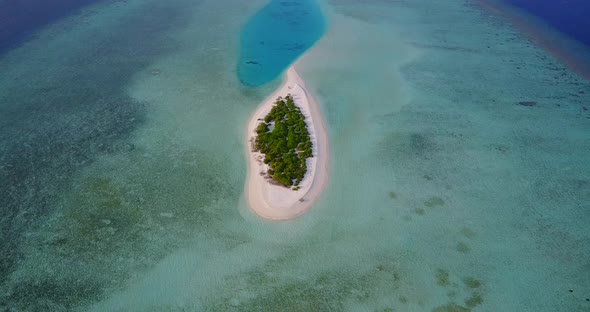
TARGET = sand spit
(275,202)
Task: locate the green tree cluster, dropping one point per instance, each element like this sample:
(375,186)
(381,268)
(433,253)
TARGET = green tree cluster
(287,145)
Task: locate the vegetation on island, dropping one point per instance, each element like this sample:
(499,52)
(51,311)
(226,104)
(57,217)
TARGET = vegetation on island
(284,139)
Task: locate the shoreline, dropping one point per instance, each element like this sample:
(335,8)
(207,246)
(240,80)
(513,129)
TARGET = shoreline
(275,202)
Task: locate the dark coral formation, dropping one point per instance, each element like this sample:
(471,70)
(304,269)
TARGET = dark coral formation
(527,103)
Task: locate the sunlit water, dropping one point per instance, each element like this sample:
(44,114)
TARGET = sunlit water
(123,166)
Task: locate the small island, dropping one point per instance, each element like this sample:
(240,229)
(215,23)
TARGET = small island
(287,152)
(284,140)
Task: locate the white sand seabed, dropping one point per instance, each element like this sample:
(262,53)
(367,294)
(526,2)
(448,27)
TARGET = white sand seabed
(275,202)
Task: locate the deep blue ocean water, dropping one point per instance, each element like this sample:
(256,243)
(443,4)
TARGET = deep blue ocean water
(569,17)
(275,37)
(19,19)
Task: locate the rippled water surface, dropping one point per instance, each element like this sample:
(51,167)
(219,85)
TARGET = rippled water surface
(459,178)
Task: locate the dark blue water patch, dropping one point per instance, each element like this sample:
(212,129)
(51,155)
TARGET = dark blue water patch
(558,27)
(275,37)
(20,19)
(570,17)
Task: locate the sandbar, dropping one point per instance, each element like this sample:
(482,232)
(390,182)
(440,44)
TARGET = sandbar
(275,202)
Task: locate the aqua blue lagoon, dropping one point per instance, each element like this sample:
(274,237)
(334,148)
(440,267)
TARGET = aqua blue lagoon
(275,37)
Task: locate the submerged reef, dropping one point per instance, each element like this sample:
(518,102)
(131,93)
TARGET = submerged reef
(56,120)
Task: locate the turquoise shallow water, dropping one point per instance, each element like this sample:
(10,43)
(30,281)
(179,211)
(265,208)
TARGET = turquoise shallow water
(122,166)
(275,37)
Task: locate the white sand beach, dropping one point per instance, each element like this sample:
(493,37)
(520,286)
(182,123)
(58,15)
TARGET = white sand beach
(275,202)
